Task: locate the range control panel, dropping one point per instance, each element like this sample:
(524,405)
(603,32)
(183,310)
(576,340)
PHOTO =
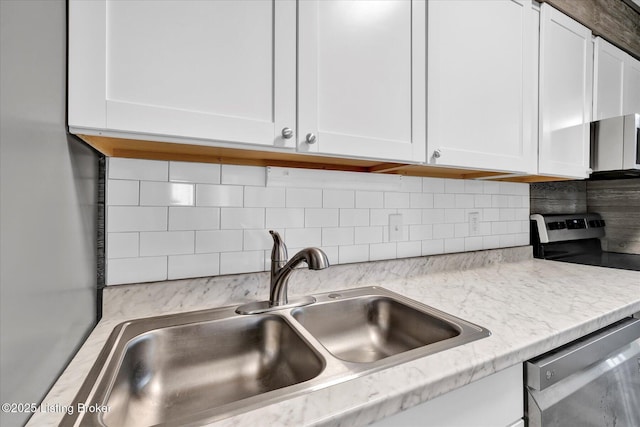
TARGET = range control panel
(559,228)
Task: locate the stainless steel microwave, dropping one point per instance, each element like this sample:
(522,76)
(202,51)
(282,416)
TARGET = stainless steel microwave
(615,146)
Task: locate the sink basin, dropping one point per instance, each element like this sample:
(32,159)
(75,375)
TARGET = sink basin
(190,369)
(371,328)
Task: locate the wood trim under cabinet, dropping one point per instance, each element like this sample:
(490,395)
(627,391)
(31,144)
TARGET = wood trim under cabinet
(152,150)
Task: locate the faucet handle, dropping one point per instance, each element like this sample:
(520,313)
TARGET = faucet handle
(279,250)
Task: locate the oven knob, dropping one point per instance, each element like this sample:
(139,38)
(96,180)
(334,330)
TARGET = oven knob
(550,374)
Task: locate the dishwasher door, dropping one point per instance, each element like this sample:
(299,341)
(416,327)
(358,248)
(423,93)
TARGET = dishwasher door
(591,382)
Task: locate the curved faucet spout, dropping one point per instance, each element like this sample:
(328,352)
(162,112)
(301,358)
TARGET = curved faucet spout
(315,259)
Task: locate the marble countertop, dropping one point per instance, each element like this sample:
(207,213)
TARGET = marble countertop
(529,305)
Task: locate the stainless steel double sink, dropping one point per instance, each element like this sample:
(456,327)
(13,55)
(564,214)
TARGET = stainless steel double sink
(198,367)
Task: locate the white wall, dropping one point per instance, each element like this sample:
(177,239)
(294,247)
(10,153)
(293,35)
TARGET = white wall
(171,220)
(47,208)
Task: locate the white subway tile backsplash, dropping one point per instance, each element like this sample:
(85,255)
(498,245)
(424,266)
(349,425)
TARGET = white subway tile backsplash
(179,219)
(136,218)
(411,216)
(420,232)
(354,217)
(482,201)
(218,241)
(433,185)
(284,218)
(369,199)
(262,197)
(338,199)
(122,245)
(491,187)
(409,249)
(321,217)
(167,243)
(444,200)
(461,230)
(219,195)
(364,235)
(123,193)
(135,270)
(303,198)
(380,216)
(256,240)
(303,237)
(454,245)
(396,200)
(244,175)
(454,186)
(473,187)
(147,170)
(432,216)
(197,173)
(490,242)
(166,194)
(338,236)
(198,265)
(432,247)
(421,200)
(241,218)
(465,201)
(454,215)
(379,251)
(473,243)
(355,253)
(191,218)
(443,231)
(242,262)
(411,184)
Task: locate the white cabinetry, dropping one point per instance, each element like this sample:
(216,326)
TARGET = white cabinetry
(616,81)
(608,80)
(361,78)
(224,72)
(566,65)
(496,400)
(210,70)
(631,100)
(480,85)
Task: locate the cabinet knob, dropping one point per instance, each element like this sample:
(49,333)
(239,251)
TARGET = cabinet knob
(437,153)
(311,138)
(287,133)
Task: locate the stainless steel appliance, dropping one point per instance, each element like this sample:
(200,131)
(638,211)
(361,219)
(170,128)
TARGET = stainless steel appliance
(615,147)
(592,382)
(576,238)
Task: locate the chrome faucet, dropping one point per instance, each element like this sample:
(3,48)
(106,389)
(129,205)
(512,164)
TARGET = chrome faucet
(281,269)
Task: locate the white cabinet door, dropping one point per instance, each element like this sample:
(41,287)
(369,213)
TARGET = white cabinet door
(496,400)
(480,84)
(631,102)
(361,78)
(210,70)
(566,67)
(608,80)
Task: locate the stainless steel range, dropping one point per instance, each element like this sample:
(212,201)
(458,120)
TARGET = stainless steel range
(593,381)
(576,238)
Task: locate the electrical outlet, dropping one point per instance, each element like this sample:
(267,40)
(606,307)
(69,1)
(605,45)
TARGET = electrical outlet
(395,227)
(474,226)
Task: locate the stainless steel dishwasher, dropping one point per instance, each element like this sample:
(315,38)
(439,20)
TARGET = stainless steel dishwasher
(594,381)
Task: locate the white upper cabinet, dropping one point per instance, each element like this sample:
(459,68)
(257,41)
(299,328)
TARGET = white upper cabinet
(480,84)
(209,70)
(566,67)
(361,79)
(631,99)
(616,81)
(608,80)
